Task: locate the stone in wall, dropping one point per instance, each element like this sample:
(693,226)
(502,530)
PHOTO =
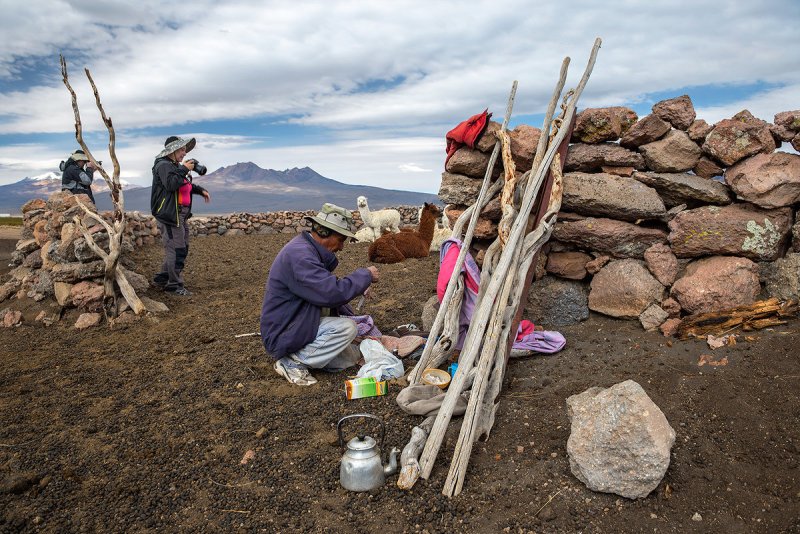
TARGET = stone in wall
(767,180)
(678,111)
(683,188)
(699,130)
(583,157)
(459,189)
(488,139)
(606,195)
(624,288)
(662,263)
(737,229)
(674,153)
(557,302)
(468,162)
(732,140)
(782,277)
(608,236)
(786,125)
(569,265)
(647,130)
(717,283)
(596,125)
(524,139)
(484,229)
(706,168)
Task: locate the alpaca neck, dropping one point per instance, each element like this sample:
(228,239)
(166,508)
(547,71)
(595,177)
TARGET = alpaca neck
(426,226)
(366,216)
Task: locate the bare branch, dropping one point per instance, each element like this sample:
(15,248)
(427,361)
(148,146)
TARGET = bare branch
(90,240)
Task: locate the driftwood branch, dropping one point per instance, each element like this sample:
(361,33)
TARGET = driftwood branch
(760,314)
(116,230)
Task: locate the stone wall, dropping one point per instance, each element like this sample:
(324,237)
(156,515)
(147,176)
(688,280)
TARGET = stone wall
(662,216)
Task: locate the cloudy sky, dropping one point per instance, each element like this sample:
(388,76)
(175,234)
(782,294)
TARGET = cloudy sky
(363,92)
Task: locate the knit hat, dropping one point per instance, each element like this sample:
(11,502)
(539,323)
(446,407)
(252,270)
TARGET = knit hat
(174,143)
(335,218)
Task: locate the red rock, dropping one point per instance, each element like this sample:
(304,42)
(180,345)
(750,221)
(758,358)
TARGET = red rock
(674,153)
(706,168)
(717,283)
(678,111)
(624,288)
(733,140)
(647,130)
(87,295)
(33,204)
(767,180)
(569,265)
(87,320)
(662,263)
(670,327)
(524,139)
(699,130)
(595,125)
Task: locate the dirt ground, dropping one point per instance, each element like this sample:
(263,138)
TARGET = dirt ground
(143,428)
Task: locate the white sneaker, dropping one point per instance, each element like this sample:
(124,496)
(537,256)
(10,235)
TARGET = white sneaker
(295,375)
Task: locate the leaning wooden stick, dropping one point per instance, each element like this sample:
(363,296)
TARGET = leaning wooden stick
(483,313)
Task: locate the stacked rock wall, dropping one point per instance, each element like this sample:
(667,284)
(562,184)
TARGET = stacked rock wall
(662,216)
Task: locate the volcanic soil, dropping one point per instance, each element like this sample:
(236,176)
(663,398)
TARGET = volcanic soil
(144,428)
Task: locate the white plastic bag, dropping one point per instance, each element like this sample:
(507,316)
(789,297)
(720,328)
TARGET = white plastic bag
(378,362)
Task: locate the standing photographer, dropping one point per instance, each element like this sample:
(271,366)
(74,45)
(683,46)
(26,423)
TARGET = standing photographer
(77,175)
(171,205)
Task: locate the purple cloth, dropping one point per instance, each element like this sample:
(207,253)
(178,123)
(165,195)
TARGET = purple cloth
(470,297)
(547,342)
(365,325)
(300,283)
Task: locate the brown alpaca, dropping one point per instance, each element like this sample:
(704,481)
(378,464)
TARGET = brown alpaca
(394,248)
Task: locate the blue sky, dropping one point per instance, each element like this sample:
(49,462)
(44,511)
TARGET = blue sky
(364,92)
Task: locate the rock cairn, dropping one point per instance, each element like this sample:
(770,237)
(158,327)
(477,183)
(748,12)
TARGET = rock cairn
(53,261)
(662,216)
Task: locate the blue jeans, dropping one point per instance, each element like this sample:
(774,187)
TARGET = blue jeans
(331,350)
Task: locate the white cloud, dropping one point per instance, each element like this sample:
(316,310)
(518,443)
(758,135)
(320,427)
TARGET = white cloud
(412,167)
(326,64)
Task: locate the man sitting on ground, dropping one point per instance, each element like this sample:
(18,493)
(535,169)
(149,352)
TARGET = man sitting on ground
(303,317)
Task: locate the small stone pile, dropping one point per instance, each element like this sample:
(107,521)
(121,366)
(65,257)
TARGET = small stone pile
(662,217)
(276,222)
(53,261)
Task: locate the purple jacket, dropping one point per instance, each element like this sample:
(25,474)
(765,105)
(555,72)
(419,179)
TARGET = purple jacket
(300,283)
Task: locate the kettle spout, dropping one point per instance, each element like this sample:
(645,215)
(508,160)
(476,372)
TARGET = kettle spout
(392,467)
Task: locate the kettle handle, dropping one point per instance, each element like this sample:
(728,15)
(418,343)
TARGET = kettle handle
(368,415)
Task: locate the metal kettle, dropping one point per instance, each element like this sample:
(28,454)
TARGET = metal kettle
(361,467)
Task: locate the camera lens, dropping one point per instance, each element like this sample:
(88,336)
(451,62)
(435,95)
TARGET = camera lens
(200,169)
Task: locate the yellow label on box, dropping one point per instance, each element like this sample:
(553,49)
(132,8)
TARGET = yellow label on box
(358,388)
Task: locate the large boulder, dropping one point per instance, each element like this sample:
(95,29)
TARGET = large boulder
(737,229)
(607,195)
(682,188)
(678,111)
(733,140)
(595,125)
(583,157)
(624,288)
(608,236)
(557,302)
(619,440)
(674,153)
(717,283)
(782,277)
(767,180)
(647,130)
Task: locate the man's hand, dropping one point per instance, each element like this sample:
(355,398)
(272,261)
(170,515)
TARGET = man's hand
(207,196)
(374,272)
(189,164)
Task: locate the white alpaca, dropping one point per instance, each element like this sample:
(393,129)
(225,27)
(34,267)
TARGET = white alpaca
(365,234)
(378,220)
(440,233)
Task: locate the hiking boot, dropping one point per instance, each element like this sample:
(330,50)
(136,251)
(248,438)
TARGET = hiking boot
(299,376)
(160,280)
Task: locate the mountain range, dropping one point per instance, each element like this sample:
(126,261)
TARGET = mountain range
(243,187)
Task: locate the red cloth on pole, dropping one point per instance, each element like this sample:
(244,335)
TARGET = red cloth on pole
(466,133)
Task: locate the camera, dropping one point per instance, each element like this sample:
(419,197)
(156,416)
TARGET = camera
(199,169)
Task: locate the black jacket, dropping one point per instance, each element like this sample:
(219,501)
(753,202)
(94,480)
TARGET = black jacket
(77,180)
(168,177)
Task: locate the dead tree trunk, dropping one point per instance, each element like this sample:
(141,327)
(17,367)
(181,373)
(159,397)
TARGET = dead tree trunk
(117,227)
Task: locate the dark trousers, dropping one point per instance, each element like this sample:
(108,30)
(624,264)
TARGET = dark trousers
(176,248)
